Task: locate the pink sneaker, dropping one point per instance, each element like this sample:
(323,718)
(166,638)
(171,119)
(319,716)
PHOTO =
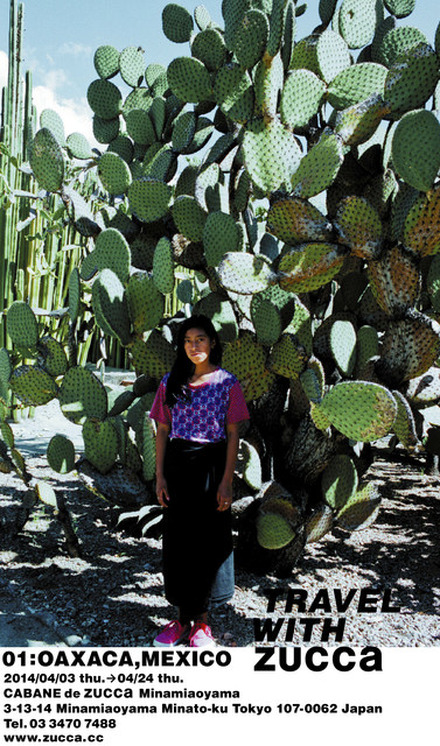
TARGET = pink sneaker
(200,636)
(171,635)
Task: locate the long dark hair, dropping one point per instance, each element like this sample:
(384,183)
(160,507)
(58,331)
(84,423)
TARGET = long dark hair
(183,368)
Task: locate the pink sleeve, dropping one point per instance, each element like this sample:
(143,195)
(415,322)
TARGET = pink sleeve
(237,410)
(160,411)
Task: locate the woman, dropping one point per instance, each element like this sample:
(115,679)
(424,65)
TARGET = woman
(198,408)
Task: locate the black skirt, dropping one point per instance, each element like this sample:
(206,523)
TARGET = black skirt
(197,538)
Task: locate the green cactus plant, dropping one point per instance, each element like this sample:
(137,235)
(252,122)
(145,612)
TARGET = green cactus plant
(306,228)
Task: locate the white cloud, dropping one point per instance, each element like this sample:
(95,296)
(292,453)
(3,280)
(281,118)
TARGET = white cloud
(76,115)
(74,49)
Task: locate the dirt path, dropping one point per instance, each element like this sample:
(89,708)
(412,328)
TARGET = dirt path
(113,594)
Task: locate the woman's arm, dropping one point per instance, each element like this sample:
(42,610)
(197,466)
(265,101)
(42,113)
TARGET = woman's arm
(161,444)
(224,492)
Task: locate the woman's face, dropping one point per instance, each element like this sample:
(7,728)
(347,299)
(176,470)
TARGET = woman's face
(198,345)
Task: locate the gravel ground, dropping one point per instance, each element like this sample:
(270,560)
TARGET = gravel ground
(112,595)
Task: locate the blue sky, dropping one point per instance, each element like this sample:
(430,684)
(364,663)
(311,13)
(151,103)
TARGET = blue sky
(60,39)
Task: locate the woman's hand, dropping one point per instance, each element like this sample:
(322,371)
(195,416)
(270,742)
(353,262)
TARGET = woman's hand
(163,497)
(224,495)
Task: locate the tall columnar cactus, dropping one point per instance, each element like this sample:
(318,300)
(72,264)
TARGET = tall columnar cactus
(307,229)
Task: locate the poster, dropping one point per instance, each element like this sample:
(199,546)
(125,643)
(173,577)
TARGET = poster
(329,665)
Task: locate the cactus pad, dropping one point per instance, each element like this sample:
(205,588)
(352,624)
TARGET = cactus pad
(79,146)
(357,21)
(251,36)
(183,130)
(409,348)
(132,66)
(189,79)
(359,226)
(100,444)
(110,306)
(21,325)
(61,454)
(412,79)
(82,395)
(343,346)
(309,266)
(234,93)
(400,8)
(360,410)
(149,199)
(271,155)
(5,374)
(420,233)
(397,41)
(209,47)
(339,481)
(221,313)
(154,358)
(111,252)
(104,99)
(301,98)
(247,360)
(294,221)
(357,83)
(106,61)
(287,357)
(47,161)
(361,510)
(245,273)
(416,149)
(357,123)
(332,55)
(404,424)
(394,280)
(177,23)
(51,120)
(55,359)
(33,385)
(319,523)
(114,173)
(319,168)
(189,217)
(249,465)
(271,312)
(105,130)
(220,235)
(163,266)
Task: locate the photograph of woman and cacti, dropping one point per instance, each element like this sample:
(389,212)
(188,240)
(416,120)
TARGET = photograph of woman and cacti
(283,192)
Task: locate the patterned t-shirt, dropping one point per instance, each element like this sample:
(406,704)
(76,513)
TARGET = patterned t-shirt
(213,405)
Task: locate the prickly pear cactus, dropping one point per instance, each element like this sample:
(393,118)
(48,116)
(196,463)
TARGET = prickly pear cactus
(288,189)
